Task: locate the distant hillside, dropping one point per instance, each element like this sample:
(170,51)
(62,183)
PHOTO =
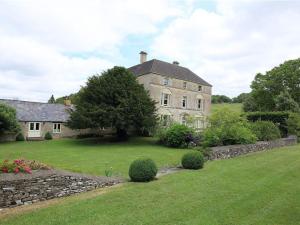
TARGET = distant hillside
(237,107)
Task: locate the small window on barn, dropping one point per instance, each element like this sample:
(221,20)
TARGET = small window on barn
(56,128)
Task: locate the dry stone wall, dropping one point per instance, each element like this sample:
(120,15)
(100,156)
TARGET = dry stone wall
(230,151)
(24,189)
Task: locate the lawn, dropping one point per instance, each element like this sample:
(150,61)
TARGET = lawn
(237,107)
(90,156)
(256,189)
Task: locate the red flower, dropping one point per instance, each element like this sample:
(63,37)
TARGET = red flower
(16,170)
(27,170)
(4,170)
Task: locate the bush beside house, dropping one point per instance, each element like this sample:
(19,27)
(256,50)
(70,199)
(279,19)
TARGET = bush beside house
(142,170)
(265,130)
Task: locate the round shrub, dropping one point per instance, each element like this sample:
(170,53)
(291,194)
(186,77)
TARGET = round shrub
(20,137)
(178,135)
(265,130)
(192,160)
(48,136)
(142,170)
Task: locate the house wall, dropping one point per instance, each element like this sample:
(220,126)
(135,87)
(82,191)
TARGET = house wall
(154,83)
(48,127)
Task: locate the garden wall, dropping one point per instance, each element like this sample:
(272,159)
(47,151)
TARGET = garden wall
(230,151)
(24,189)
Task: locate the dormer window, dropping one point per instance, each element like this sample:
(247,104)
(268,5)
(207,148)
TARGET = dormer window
(184,85)
(199,88)
(167,81)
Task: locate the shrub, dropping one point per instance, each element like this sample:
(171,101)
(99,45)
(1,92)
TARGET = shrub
(142,170)
(20,137)
(293,124)
(278,118)
(15,166)
(265,130)
(48,136)
(227,128)
(177,135)
(192,160)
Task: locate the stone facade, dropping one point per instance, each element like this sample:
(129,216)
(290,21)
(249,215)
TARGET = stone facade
(48,127)
(24,189)
(226,152)
(176,89)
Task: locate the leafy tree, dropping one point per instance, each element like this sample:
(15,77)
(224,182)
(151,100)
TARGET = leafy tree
(266,87)
(250,105)
(52,99)
(8,119)
(220,99)
(240,98)
(284,102)
(72,97)
(114,99)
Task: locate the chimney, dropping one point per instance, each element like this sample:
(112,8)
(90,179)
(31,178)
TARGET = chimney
(67,102)
(176,63)
(143,57)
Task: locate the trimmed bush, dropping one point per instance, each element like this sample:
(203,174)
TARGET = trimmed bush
(278,118)
(20,137)
(265,130)
(142,170)
(177,135)
(48,136)
(192,160)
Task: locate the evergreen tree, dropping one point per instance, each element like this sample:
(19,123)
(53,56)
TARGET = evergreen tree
(52,99)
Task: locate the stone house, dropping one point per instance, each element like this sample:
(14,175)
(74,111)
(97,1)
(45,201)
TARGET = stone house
(181,95)
(36,119)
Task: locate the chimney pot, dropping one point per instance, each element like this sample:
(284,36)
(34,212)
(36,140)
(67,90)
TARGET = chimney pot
(176,63)
(143,57)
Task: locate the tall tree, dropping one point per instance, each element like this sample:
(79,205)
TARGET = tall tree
(114,99)
(51,99)
(284,102)
(266,87)
(8,119)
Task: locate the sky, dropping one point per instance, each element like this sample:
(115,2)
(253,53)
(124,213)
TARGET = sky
(52,47)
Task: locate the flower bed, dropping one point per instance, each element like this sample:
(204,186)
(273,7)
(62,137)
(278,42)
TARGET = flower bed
(21,166)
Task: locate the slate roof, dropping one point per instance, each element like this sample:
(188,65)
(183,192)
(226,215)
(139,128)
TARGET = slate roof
(38,112)
(167,69)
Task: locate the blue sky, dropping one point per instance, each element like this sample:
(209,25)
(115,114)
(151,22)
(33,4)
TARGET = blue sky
(52,47)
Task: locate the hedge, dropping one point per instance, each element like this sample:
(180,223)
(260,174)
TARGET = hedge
(278,118)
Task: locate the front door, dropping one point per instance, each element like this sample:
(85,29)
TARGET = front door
(34,129)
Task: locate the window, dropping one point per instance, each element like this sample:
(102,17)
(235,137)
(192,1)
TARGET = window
(199,123)
(31,126)
(56,128)
(199,88)
(184,102)
(165,99)
(167,82)
(183,120)
(184,85)
(165,120)
(199,104)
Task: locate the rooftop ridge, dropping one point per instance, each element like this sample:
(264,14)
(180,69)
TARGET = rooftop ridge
(16,100)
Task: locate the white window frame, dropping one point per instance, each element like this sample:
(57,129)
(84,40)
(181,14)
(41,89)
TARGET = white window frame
(165,96)
(184,85)
(183,120)
(166,81)
(184,102)
(165,120)
(199,123)
(56,128)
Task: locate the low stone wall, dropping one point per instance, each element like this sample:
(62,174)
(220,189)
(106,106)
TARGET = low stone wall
(230,151)
(24,189)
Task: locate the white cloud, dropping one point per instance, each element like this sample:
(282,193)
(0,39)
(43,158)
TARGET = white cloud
(41,41)
(229,46)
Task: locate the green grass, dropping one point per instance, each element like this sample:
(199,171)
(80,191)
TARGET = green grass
(257,189)
(88,156)
(237,107)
